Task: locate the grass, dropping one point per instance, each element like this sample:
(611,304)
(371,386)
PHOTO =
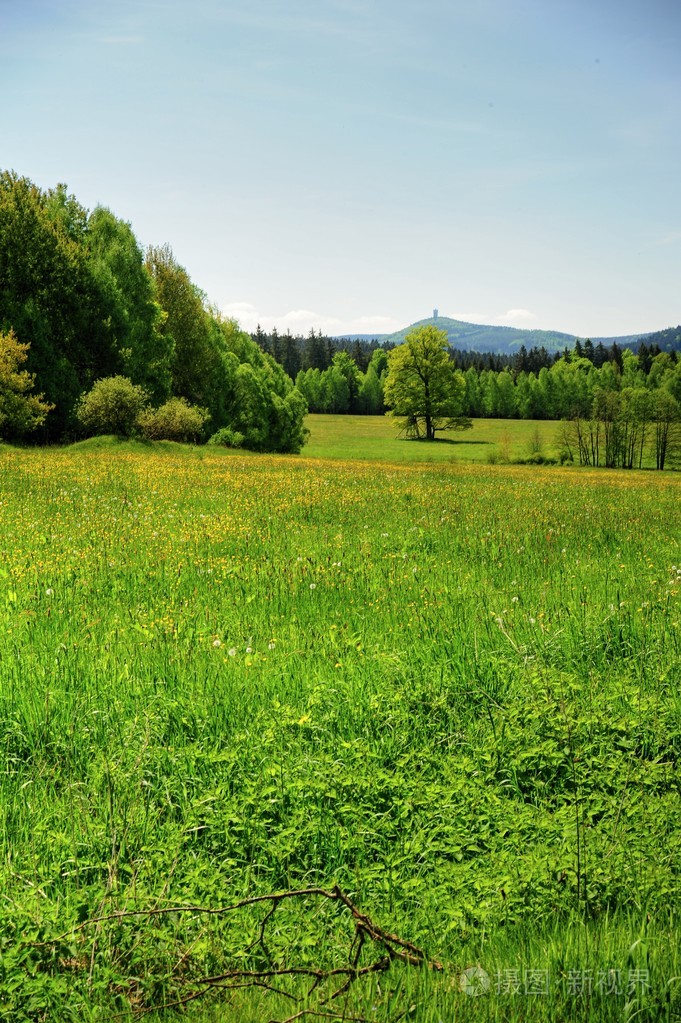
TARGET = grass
(377,437)
(450,688)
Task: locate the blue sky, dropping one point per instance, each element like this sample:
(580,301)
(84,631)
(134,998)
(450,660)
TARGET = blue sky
(350,165)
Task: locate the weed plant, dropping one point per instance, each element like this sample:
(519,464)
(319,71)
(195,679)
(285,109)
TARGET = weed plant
(451,689)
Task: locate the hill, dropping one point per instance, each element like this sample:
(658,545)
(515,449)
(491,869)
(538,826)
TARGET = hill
(486,338)
(668,340)
(480,337)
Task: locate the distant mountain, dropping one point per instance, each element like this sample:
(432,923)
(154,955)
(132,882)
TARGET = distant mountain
(668,340)
(478,337)
(481,338)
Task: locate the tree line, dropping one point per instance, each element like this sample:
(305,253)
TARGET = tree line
(564,386)
(613,414)
(295,352)
(315,351)
(82,304)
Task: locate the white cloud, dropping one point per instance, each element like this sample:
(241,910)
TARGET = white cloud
(513,317)
(300,321)
(237,309)
(470,317)
(373,324)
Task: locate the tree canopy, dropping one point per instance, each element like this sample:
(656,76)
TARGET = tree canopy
(423,388)
(20,411)
(83,304)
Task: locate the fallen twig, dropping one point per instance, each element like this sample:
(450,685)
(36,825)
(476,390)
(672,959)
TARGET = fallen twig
(390,947)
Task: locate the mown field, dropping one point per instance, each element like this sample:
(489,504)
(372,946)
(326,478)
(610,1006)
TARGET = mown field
(377,437)
(451,689)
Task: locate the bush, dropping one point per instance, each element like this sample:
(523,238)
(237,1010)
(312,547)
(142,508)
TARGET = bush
(175,420)
(228,438)
(537,458)
(112,406)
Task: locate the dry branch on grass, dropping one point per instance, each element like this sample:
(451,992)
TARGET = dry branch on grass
(317,1001)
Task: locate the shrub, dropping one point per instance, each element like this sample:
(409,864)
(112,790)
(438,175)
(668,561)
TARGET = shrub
(112,406)
(536,458)
(228,438)
(175,420)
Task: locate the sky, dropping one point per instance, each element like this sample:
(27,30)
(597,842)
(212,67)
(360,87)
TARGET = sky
(349,165)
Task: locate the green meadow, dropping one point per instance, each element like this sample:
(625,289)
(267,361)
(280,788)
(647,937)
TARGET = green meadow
(377,437)
(449,687)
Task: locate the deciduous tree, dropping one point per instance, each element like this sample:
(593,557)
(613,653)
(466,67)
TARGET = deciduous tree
(423,388)
(20,411)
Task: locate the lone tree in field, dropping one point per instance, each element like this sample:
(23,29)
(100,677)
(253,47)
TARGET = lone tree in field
(423,388)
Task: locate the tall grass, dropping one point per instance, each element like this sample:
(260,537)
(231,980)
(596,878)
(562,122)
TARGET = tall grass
(453,690)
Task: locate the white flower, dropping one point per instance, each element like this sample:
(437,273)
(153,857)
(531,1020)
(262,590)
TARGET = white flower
(249,650)
(514,600)
(49,592)
(217,643)
(232,651)
(313,586)
(271,645)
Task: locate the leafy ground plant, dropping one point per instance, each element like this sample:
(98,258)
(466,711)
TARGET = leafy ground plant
(451,690)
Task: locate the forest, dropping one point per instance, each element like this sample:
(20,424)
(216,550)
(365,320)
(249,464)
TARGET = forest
(81,303)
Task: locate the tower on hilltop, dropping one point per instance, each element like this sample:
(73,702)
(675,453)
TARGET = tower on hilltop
(435,314)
